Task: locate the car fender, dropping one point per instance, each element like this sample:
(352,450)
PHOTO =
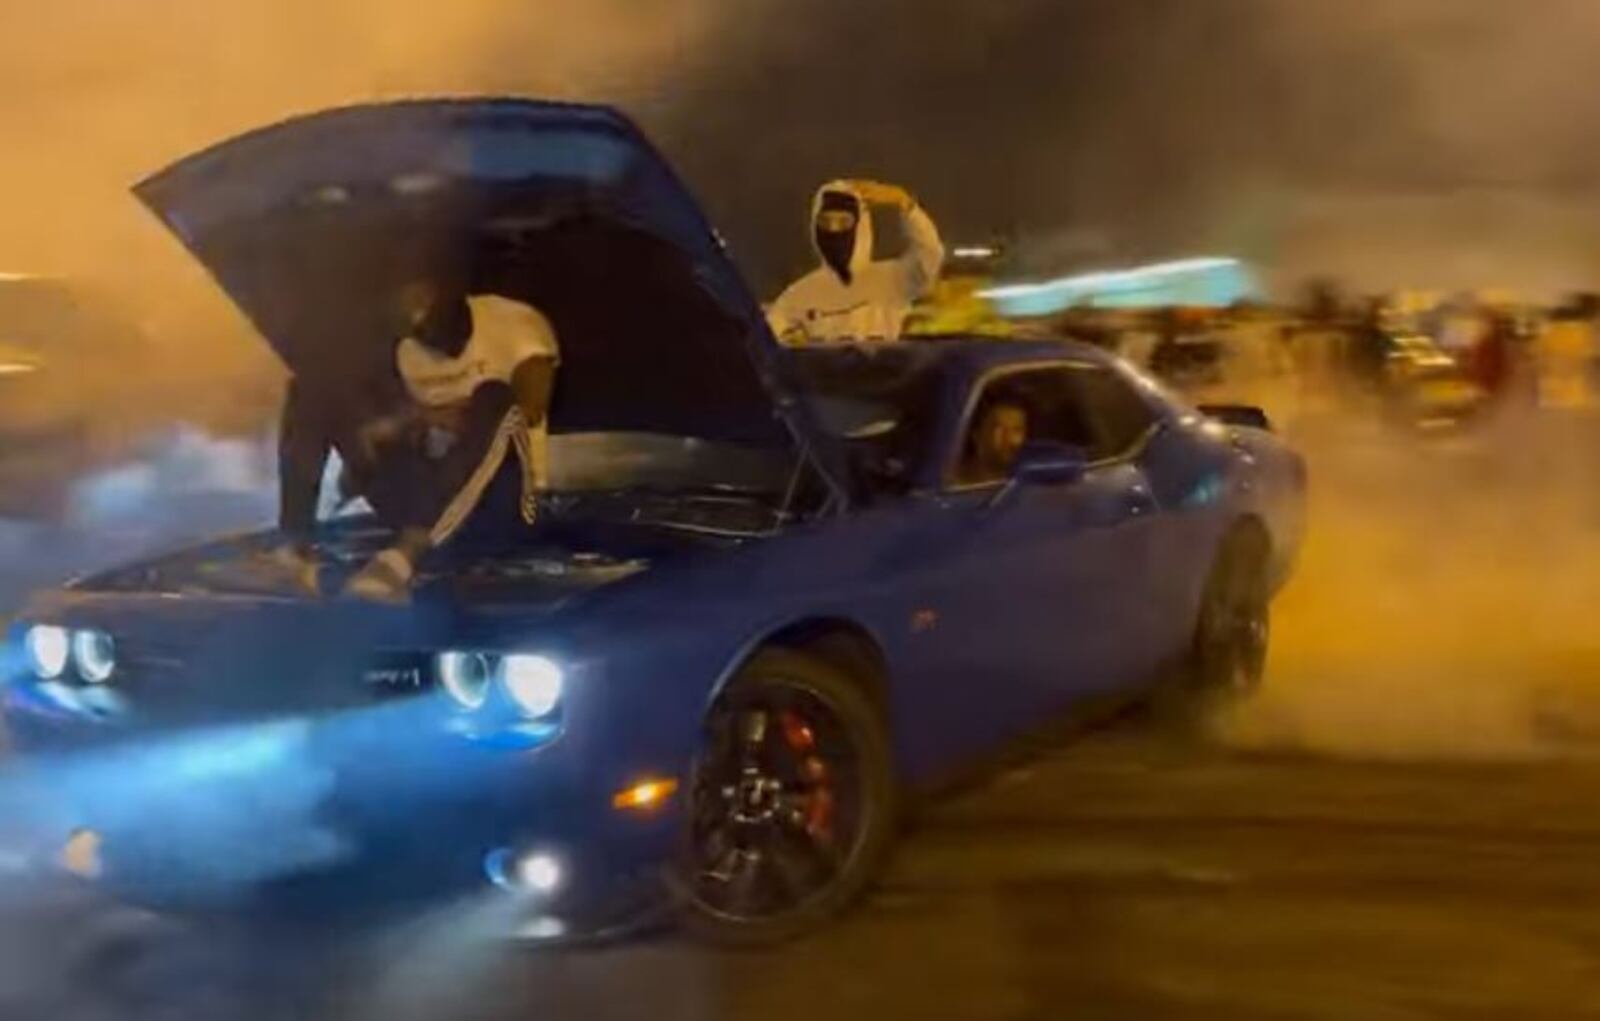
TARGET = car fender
(770,632)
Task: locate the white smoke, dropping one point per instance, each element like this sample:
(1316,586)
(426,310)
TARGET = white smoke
(96,94)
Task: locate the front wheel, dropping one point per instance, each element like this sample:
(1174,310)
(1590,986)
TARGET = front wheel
(792,802)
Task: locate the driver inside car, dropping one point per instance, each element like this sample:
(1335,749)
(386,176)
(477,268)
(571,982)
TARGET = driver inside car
(998,434)
(466,442)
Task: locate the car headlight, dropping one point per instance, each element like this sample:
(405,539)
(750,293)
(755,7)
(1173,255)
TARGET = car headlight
(48,647)
(466,676)
(95,655)
(533,682)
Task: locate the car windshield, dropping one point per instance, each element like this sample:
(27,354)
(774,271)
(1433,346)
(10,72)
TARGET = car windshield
(879,399)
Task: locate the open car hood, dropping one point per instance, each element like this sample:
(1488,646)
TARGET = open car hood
(567,207)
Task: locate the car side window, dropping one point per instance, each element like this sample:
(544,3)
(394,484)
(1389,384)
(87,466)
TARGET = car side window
(1016,408)
(1118,417)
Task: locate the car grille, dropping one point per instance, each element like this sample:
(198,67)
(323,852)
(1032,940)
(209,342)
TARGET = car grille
(397,674)
(173,668)
(145,659)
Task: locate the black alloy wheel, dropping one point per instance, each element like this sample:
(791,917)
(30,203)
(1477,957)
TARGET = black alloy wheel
(791,803)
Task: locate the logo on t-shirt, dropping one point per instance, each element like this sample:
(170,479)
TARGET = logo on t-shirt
(505,334)
(440,383)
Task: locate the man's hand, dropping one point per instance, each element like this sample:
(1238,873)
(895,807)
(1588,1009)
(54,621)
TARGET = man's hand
(881,194)
(795,336)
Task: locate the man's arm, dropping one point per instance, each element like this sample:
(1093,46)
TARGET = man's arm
(785,325)
(531,384)
(531,344)
(920,263)
(924,254)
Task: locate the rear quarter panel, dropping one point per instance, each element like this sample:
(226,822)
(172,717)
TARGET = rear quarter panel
(1273,488)
(1206,478)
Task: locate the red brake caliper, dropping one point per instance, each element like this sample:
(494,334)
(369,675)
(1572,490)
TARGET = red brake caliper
(797,733)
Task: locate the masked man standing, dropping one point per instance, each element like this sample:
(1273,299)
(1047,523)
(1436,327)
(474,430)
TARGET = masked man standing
(850,296)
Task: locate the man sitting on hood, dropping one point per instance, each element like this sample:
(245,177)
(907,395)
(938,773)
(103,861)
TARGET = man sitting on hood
(849,296)
(466,442)
(479,372)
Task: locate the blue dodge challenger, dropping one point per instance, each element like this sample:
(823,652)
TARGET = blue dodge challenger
(768,592)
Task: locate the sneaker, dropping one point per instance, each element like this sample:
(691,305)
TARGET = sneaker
(385,579)
(283,570)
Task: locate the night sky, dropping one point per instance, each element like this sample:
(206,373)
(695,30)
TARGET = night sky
(1408,142)
(1107,130)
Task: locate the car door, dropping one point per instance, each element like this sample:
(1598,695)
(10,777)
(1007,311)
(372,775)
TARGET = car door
(1024,569)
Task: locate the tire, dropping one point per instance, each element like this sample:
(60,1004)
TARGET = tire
(1228,656)
(760,864)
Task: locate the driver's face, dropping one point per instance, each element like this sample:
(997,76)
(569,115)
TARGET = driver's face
(1001,434)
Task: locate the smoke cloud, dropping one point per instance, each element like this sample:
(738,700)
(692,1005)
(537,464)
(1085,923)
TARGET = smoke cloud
(1442,607)
(95,94)
(1420,142)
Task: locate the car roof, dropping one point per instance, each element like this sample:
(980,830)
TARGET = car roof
(980,354)
(900,372)
(963,354)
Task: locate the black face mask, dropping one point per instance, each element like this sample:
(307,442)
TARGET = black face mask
(447,327)
(837,246)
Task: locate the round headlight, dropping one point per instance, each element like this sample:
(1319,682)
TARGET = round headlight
(533,682)
(540,873)
(95,655)
(47,650)
(466,676)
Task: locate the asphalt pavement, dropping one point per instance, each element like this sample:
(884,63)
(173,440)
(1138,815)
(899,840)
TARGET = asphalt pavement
(1130,875)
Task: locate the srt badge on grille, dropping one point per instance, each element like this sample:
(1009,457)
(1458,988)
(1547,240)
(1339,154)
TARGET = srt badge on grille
(397,679)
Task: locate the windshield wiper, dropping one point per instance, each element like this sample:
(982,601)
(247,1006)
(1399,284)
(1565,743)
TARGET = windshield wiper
(712,509)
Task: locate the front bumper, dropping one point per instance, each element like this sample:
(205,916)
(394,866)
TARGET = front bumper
(359,811)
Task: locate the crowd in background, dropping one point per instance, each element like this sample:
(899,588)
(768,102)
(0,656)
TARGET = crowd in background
(1417,357)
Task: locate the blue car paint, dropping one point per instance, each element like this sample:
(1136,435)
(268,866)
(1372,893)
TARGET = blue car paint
(987,609)
(988,612)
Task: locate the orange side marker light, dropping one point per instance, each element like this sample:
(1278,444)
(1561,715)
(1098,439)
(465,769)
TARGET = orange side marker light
(644,795)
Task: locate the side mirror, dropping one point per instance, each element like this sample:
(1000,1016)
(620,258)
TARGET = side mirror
(1247,415)
(1047,463)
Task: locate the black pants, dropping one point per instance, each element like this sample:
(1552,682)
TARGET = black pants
(477,482)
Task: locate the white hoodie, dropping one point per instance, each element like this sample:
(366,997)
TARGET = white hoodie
(822,307)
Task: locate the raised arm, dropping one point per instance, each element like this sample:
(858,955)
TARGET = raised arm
(924,255)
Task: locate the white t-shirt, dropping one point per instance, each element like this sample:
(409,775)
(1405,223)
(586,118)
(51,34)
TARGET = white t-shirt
(505,334)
